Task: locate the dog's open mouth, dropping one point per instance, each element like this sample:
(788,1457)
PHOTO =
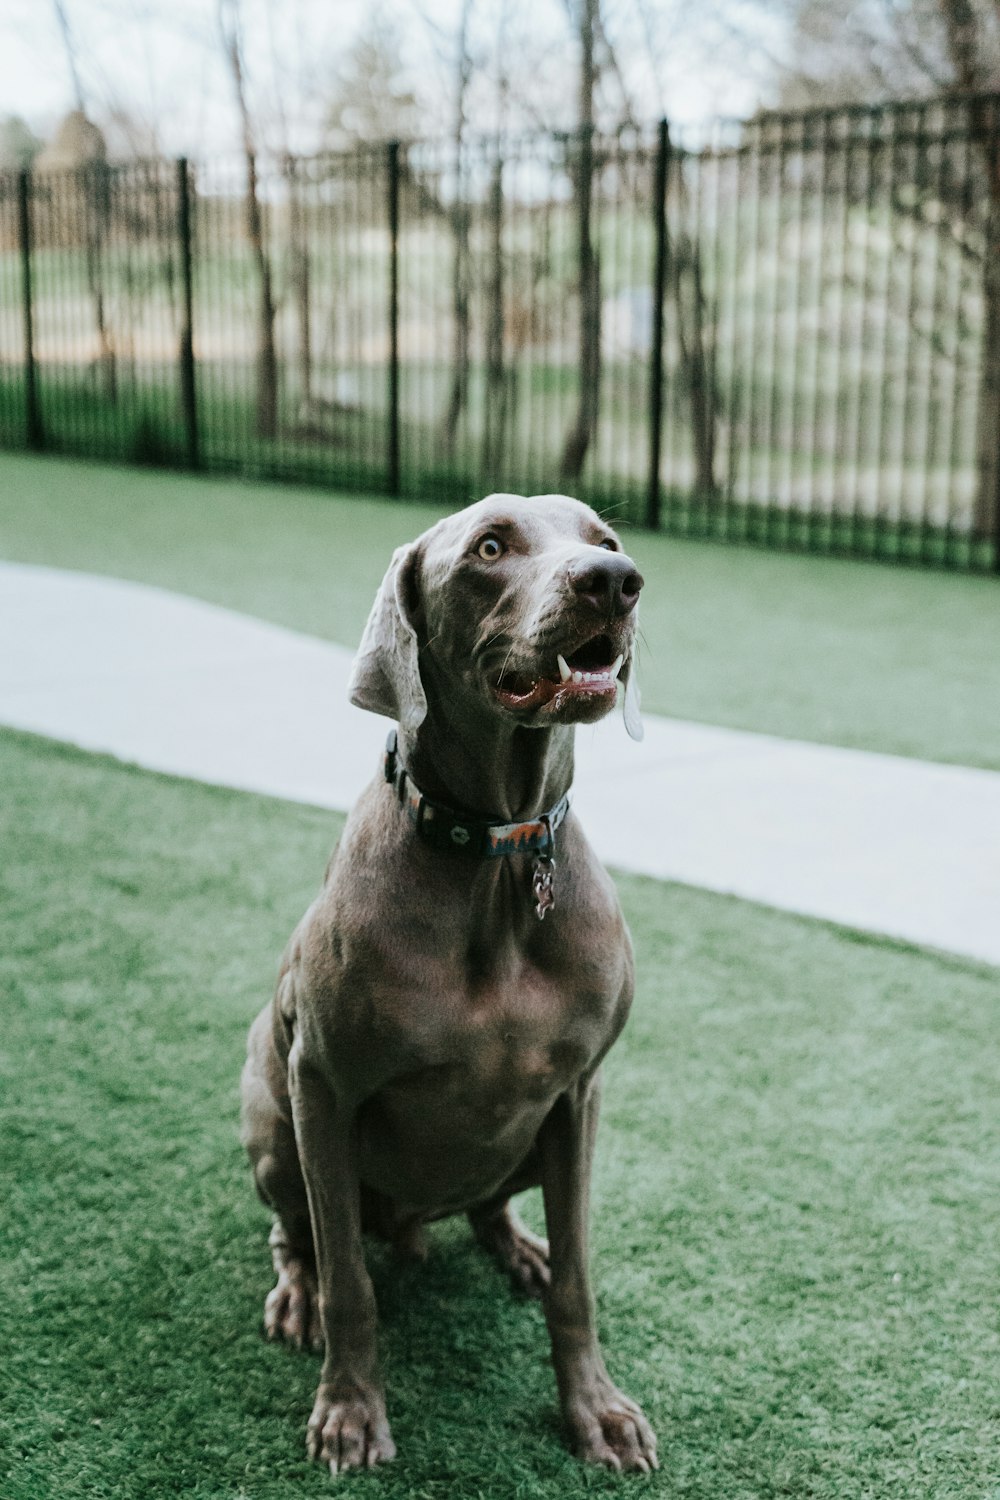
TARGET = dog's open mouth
(590,672)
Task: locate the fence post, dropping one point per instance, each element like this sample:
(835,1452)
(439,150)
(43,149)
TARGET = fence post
(32,414)
(393,431)
(189,403)
(656,353)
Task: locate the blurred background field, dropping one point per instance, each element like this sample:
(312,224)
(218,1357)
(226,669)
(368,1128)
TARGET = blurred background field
(786,334)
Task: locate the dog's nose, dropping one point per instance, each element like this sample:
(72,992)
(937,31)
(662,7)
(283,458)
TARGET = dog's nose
(610,586)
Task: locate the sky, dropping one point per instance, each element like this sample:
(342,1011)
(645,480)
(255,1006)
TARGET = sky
(161,61)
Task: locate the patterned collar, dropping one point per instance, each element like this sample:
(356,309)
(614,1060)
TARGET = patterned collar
(447,829)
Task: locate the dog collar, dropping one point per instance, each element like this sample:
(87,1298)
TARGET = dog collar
(447,829)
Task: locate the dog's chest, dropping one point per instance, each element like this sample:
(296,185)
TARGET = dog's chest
(503,1047)
(516,1033)
(456,1122)
(483,1050)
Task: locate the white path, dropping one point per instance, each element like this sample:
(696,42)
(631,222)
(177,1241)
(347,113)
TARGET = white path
(890,845)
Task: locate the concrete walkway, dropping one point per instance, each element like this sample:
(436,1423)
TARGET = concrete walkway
(874,841)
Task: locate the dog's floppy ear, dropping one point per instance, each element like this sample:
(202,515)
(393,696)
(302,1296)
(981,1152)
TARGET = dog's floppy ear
(385,677)
(630,708)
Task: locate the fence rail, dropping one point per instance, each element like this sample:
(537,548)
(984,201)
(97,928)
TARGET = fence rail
(790,336)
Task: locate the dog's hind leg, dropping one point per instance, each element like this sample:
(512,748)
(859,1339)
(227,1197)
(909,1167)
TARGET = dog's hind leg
(403,1230)
(291,1310)
(523,1255)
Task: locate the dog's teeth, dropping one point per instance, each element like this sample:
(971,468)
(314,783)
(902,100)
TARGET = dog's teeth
(564,671)
(615,668)
(577,676)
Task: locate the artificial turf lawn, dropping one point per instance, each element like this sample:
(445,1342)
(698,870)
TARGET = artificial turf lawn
(795,1241)
(844,653)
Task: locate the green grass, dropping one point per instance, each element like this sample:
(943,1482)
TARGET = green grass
(794,1223)
(840,652)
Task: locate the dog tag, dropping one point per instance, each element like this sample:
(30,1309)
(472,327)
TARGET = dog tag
(543,872)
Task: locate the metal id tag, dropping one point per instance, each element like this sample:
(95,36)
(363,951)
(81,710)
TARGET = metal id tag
(543,872)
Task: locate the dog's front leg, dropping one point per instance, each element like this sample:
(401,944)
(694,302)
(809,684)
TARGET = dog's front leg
(348,1428)
(605,1426)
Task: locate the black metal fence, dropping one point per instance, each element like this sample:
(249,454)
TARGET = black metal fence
(790,336)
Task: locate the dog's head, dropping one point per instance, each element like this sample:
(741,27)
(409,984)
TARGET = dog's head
(528,605)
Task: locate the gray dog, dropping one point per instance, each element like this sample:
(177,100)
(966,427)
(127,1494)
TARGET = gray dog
(433,1046)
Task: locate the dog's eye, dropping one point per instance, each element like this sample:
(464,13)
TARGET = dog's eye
(490,548)
(608,545)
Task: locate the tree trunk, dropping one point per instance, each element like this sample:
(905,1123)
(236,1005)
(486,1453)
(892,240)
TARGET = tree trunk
(460,328)
(969,59)
(266,356)
(696,364)
(581,433)
(986,511)
(299,276)
(97,212)
(495,404)
(579,438)
(984,119)
(458,394)
(93,182)
(266,359)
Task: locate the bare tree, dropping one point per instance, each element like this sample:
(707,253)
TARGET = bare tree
(371,99)
(91,170)
(293,170)
(581,433)
(495,405)
(965,25)
(495,409)
(459,217)
(869,51)
(266,358)
(300,270)
(696,345)
(916,49)
(69,47)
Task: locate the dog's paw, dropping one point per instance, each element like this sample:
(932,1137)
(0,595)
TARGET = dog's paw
(611,1430)
(349,1429)
(523,1255)
(291,1311)
(527,1263)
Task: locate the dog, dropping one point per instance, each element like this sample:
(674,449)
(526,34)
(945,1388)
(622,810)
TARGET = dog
(435,1040)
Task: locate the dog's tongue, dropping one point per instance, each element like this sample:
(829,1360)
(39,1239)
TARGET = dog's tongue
(523,692)
(520,691)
